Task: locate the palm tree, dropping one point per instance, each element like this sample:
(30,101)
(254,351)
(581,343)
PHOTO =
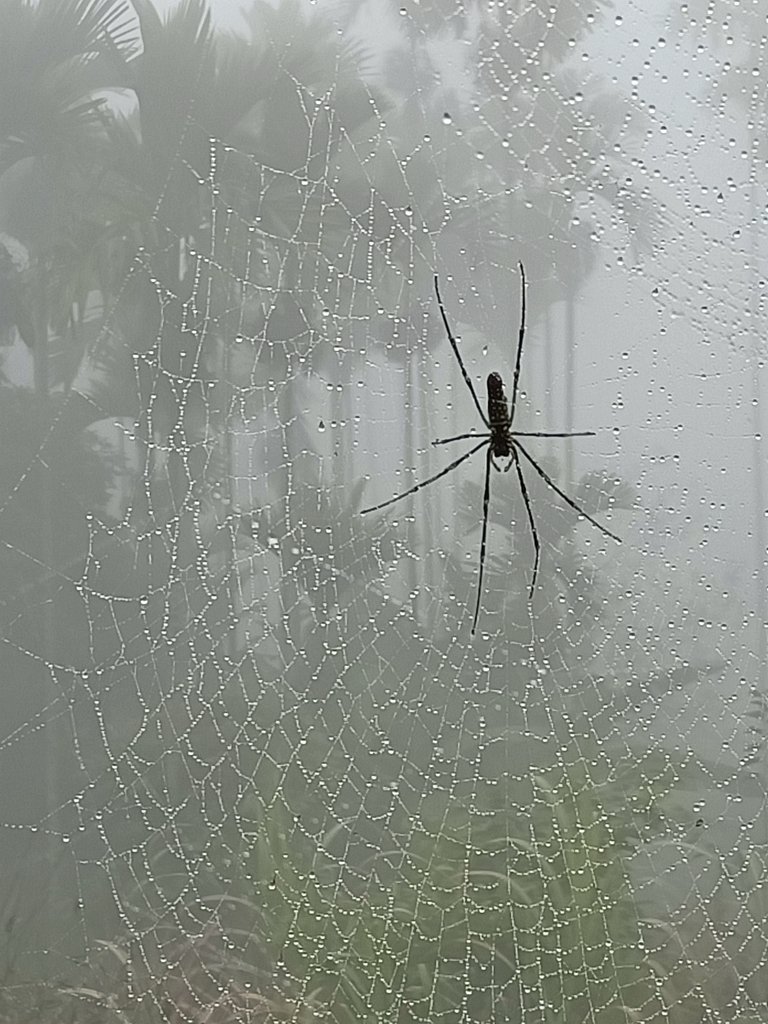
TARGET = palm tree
(739,83)
(56,59)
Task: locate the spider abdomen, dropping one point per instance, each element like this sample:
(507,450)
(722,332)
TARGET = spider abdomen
(498,417)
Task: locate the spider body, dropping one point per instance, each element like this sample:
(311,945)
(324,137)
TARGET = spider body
(500,442)
(498,418)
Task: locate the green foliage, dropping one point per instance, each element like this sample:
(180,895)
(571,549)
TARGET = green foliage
(485,912)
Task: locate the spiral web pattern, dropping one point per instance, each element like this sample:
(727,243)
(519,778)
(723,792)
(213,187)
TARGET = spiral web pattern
(257,766)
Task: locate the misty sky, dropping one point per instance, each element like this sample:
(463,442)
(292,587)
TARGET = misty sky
(242,716)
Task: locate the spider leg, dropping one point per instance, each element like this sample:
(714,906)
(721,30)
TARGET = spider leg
(569,501)
(486,498)
(548,433)
(532,524)
(424,483)
(459,437)
(520,338)
(455,347)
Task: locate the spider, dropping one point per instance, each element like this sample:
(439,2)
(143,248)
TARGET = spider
(502,443)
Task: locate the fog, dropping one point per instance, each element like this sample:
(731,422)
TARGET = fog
(304,717)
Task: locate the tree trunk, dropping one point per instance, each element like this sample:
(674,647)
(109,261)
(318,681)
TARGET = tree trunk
(757,443)
(46,596)
(411,576)
(570,381)
(549,377)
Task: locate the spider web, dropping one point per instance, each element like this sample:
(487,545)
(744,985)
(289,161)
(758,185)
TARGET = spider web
(255,765)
